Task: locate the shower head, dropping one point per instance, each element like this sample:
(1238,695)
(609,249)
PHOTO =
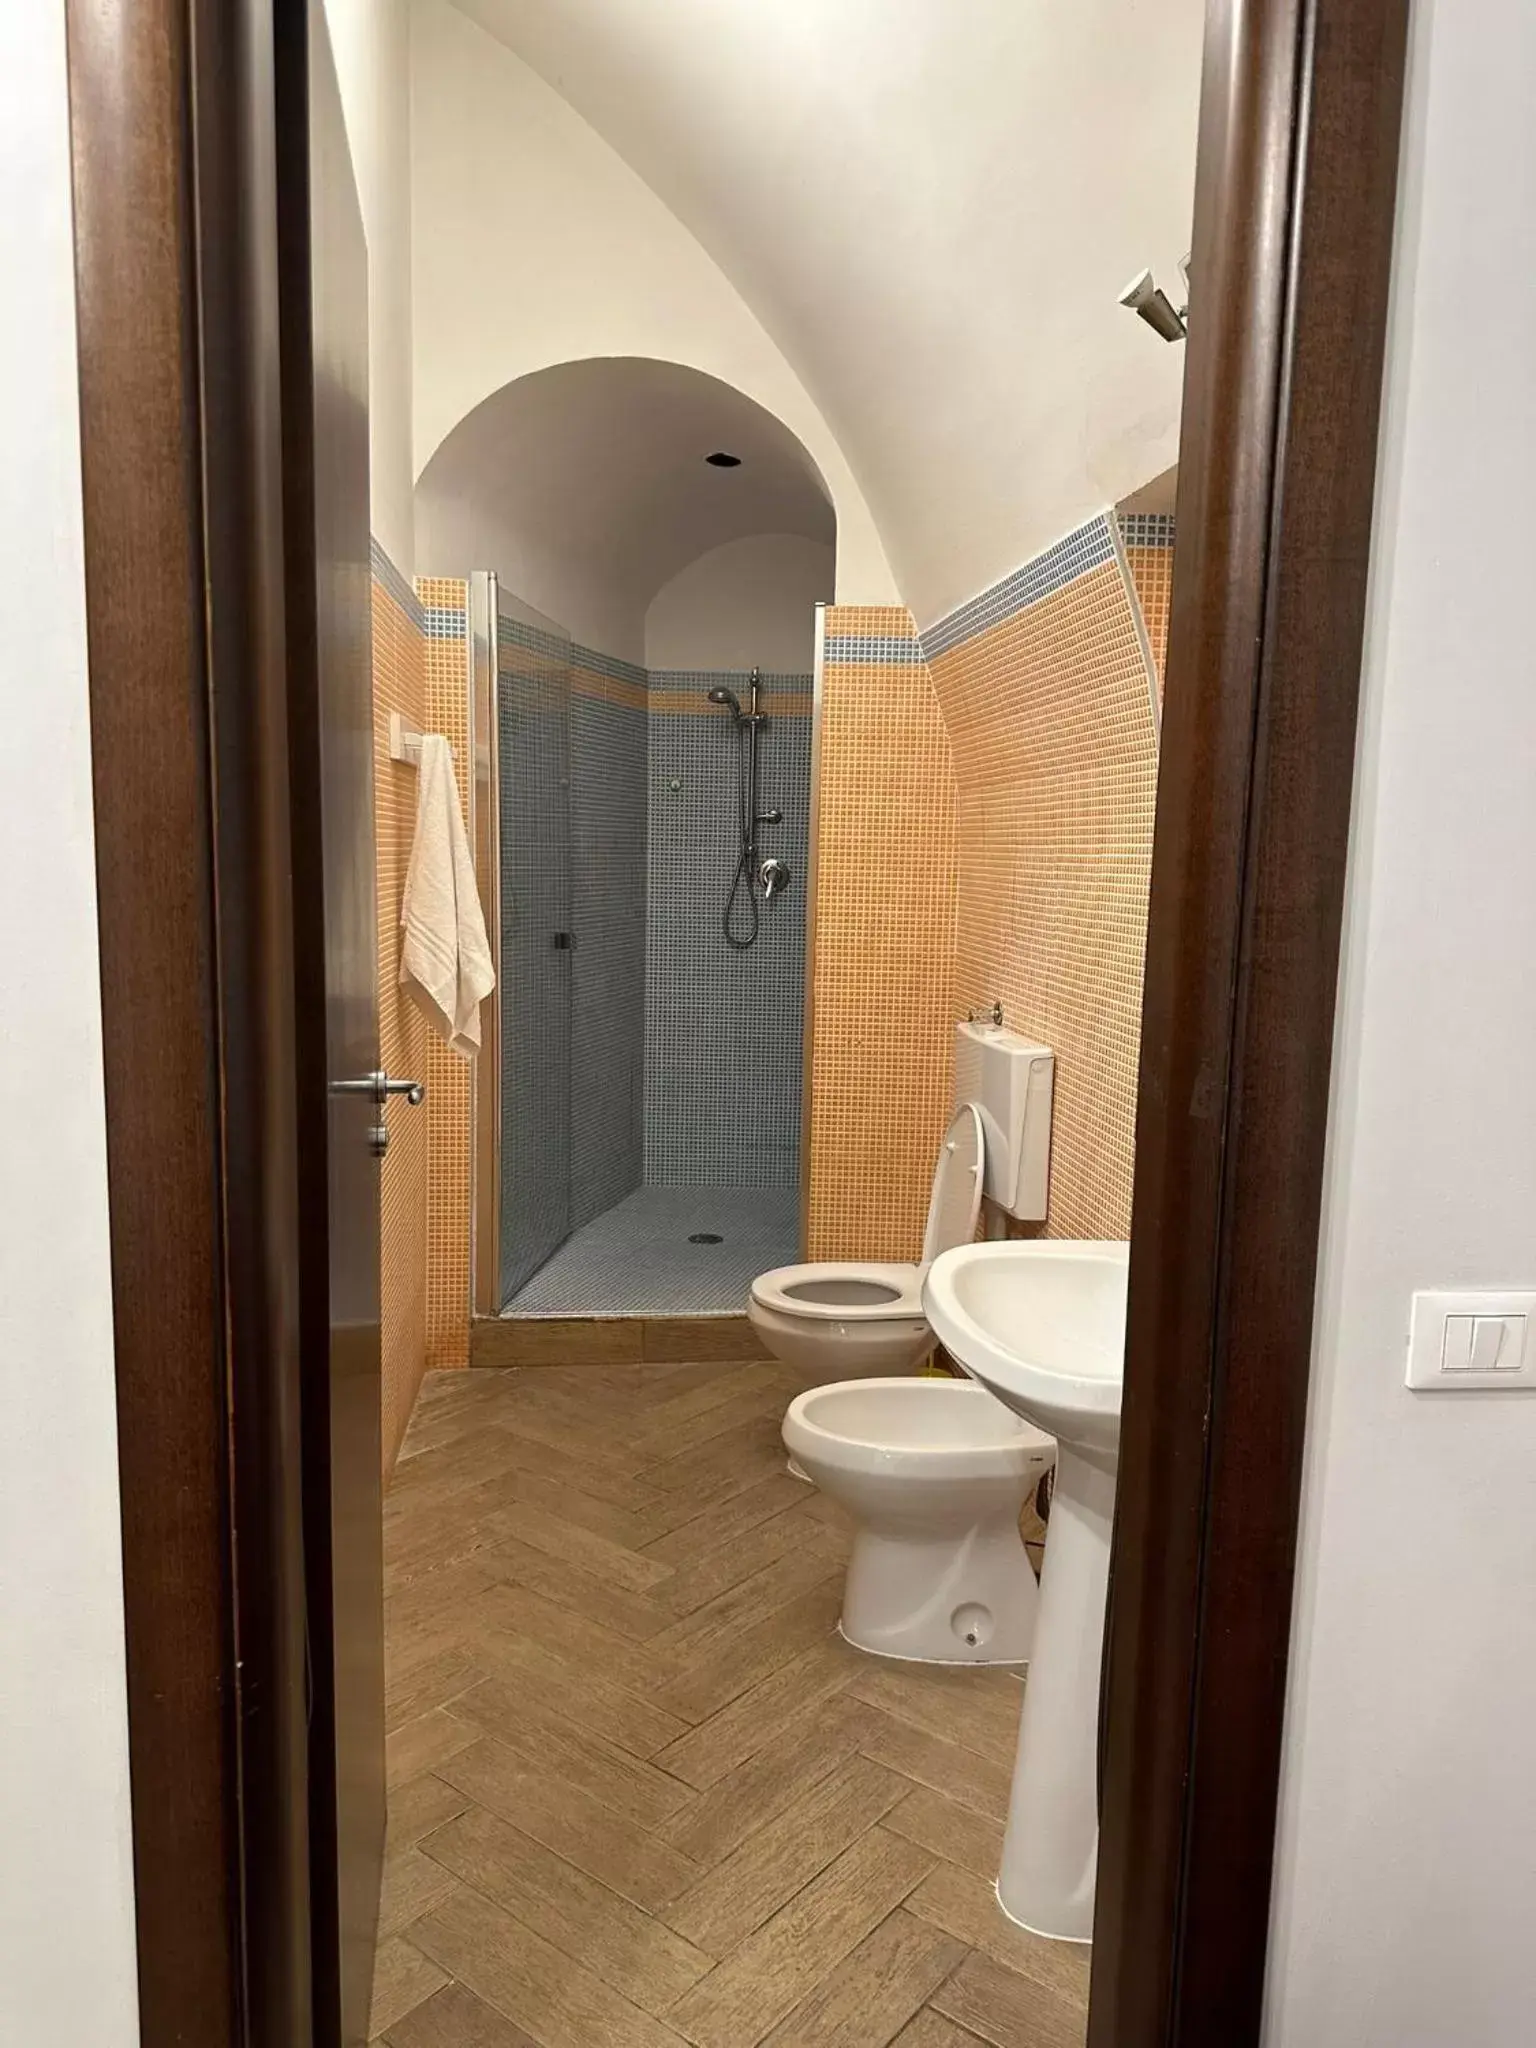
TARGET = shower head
(729,699)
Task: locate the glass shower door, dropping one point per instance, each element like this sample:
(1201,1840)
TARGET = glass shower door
(533,670)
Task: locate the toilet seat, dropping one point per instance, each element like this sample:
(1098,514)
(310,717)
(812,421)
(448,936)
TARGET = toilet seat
(842,1291)
(842,1318)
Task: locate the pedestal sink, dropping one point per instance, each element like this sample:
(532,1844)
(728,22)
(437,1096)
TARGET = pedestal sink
(1041,1324)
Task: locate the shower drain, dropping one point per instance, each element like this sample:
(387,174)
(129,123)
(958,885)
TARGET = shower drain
(705,1237)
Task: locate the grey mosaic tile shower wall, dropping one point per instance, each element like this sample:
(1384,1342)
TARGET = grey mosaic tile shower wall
(533,739)
(722,1027)
(608,878)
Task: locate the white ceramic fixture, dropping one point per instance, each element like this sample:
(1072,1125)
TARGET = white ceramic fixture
(860,1319)
(1011,1081)
(934,1473)
(847,1320)
(1041,1324)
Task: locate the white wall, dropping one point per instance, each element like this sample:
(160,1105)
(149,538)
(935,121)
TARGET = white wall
(457,532)
(931,208)
(67,1968)
(534,244)
(371,42)
(749,604)
(1405,1912)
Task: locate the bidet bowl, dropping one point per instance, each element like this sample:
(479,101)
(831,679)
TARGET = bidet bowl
(1041,1324)
(934,1474)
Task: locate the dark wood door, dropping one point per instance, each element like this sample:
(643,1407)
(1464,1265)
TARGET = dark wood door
(325,368)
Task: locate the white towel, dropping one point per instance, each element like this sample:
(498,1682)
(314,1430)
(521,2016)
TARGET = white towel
(445,961)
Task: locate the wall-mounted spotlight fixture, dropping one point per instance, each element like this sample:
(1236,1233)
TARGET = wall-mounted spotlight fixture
(1153,305)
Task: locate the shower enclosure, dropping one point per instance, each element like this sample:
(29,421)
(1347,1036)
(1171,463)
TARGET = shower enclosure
(637,1117)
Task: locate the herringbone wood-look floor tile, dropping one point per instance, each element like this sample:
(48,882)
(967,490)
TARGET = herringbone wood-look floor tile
(641,1791)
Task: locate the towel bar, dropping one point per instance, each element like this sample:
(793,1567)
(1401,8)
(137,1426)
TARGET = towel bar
(404,741)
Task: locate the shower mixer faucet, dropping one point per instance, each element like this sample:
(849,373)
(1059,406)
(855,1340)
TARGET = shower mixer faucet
(773,875)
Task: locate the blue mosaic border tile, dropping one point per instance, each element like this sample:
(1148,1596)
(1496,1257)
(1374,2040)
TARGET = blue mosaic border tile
(1147,529)
(879,649)
(1089,547)
(439,622)
(397,585)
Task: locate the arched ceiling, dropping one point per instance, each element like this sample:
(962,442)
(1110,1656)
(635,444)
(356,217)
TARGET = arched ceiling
(586,487)
(931,208)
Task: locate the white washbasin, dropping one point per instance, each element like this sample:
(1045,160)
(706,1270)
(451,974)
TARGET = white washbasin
(1041,1324)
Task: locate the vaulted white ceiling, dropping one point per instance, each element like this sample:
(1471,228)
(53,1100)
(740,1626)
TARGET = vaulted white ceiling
(931,206)
(587,486)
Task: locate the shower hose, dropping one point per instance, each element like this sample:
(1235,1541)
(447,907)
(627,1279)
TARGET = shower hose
(746,792)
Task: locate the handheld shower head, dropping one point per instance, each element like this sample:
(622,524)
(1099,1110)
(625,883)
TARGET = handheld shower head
(729,699)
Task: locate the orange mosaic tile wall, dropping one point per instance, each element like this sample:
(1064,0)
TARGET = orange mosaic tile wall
(1047,700)
(883,944)
(399,684)
(445,601)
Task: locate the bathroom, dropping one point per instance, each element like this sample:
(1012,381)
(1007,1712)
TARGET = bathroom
(837,545)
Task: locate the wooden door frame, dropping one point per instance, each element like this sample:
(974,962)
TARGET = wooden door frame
(1295,203)
(175,165)
(172,117)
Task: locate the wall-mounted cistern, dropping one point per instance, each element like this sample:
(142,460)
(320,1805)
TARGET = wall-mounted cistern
(771,875)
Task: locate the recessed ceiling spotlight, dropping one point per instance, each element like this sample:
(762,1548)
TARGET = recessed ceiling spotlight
(720,460)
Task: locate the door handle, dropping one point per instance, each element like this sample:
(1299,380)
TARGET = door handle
(378,1087)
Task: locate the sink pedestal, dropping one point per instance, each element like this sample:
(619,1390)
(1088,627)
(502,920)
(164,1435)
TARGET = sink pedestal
(1050,1852)
(1042,1326)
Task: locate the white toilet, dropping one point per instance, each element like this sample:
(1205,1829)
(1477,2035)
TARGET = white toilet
(841,1320)
(934,1472)
(846,1319)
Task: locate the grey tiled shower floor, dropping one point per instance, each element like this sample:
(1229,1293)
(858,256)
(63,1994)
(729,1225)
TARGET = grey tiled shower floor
(635,1259)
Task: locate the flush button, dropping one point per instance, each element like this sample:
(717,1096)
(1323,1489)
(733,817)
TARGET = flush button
(1461,1341)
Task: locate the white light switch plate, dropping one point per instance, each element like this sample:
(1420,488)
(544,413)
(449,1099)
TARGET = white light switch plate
(1458,1342)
